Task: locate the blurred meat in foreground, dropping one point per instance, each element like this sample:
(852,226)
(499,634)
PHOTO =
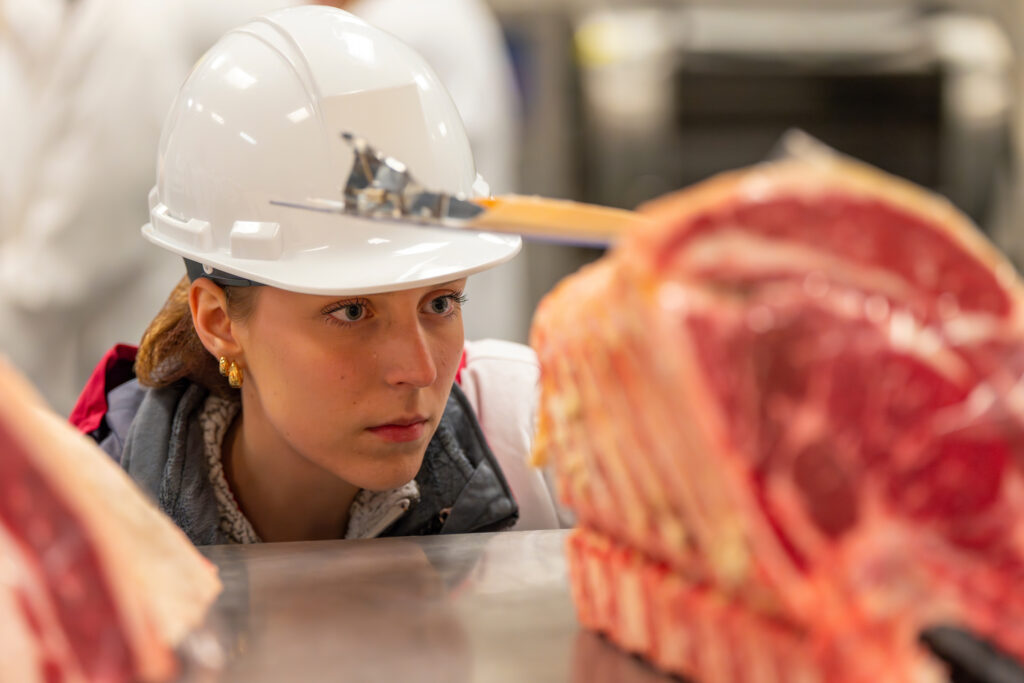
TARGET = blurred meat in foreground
(95,583)
(788,415)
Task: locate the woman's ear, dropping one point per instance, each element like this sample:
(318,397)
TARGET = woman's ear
(209,306)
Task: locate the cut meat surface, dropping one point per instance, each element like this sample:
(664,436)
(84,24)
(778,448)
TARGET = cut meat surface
(692,630)
(795,400)
(95,583)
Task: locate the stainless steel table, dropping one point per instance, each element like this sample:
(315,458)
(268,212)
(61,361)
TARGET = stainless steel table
(467,608)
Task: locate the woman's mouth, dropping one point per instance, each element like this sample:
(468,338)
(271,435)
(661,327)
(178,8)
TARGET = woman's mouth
(401,431)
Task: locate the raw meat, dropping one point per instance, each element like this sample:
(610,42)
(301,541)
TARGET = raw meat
(788,416)
(95,583)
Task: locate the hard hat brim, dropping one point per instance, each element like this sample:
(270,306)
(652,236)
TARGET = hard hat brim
(370,266)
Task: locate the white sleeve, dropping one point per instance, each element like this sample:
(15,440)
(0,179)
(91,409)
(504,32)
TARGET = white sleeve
(71,231)
(501,381)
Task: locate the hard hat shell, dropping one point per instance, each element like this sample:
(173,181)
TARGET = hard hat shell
(260,119)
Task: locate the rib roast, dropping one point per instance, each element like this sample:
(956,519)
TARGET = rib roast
(96,585)
(787,413)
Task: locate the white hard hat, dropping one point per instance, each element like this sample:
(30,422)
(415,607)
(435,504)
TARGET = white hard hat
(260,120)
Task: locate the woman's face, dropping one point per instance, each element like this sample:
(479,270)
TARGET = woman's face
(356,385)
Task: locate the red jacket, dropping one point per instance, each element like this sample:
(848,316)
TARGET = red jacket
(115,368)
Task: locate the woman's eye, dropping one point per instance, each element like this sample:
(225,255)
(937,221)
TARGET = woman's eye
(442,304)
(350,313)
(446,304)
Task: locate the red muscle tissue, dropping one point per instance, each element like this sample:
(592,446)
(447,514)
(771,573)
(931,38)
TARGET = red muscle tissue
(96,585)
(788,416)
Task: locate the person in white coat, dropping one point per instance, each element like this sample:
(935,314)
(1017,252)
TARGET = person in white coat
(84,87)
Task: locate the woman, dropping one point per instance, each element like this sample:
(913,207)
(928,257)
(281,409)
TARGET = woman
(308,379)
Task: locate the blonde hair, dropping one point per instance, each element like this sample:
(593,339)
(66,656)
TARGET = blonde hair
(170,349)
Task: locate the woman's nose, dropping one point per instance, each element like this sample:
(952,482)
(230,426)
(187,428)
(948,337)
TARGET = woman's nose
(410,360)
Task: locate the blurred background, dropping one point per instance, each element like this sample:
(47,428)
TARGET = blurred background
(601,101)
(623,101)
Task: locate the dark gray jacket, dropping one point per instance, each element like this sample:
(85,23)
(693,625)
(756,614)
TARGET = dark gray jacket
(155,435)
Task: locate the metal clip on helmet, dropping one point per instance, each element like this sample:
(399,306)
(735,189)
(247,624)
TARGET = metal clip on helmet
(258,124)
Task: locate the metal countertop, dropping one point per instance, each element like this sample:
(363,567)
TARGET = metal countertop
(481,608)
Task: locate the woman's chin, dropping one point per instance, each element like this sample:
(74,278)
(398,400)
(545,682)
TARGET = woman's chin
(385,479)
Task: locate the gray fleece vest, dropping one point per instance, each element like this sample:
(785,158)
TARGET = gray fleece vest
(155,435)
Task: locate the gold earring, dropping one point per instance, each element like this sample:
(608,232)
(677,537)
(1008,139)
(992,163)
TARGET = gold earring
(222,365)
(235,376)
